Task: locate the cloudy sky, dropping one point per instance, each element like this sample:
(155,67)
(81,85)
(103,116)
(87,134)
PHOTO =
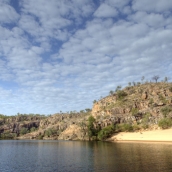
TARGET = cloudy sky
(63,54)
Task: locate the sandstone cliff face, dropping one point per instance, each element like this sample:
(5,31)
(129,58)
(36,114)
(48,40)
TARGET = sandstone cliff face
(62,127)
(13,126)
(139,100)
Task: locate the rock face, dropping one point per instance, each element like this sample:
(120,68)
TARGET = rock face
(139,100)
(16,125)
(74,132)
(132,105)
(62,127)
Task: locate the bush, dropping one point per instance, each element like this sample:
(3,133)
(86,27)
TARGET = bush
(136,127)
(23,131)
(124,127)
(151,101)
(121,94)
(106,132)
(134,111)
(8,135)
(49,132)
(40,137)
(145,118)
(170,89)
(144,126)
(33,129)
(163,99)
(166,110)
(165,123)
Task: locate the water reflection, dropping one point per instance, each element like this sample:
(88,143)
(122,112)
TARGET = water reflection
(133,157)
(76,156)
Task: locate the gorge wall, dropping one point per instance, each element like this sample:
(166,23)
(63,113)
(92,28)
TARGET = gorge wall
(143,104)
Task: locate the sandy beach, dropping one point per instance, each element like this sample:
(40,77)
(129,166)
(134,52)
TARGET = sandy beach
(144,136)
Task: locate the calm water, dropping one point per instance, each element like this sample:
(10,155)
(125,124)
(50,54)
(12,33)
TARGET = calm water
(76,156)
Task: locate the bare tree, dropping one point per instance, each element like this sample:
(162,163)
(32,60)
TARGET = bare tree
(155,78)
(166,79)
(142,78)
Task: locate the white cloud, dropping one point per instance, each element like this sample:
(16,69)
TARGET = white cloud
(105,10)
(152,6)
(61,55)
(7,13)
(152,20)
(118,3)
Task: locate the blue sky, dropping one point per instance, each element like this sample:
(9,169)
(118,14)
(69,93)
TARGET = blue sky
(62,55)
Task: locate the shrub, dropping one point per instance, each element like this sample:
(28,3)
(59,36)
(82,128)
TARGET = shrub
(145,118)
(166,110)
(124,127)
(32,129)
(170,89)
(121,94)
(136,127)
(165,123)
(151,101)
(134,111)
(23,131)
(163,99)
(106,132)
(8,135)
(145,126)
(40,137)
(49,132)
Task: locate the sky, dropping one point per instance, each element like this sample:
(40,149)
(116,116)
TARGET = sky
(61,55)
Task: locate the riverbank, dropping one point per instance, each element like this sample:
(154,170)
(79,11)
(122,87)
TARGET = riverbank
(144,136)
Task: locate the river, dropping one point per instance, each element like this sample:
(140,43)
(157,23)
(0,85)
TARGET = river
(80,156)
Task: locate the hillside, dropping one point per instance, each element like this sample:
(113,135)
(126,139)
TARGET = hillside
(141,107)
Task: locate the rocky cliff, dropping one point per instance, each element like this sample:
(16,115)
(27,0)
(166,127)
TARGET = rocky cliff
(132,103)
(14,126)
(139,107)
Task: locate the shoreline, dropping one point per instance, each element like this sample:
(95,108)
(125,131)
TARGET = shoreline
(152,136)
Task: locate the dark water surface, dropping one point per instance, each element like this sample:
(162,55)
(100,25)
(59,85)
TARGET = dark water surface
(78,156)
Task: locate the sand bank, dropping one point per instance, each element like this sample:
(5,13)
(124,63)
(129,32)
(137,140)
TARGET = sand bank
(144,136)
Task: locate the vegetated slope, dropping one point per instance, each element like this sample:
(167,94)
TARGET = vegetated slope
(144,106)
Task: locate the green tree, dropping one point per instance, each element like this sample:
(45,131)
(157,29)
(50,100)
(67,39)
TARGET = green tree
(91,129)
(94,101)
(118,88)
(111,93)
(88,110)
